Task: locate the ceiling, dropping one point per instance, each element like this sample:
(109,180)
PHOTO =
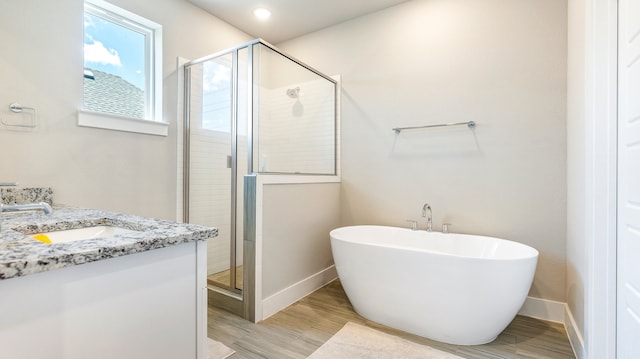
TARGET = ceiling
(290,18)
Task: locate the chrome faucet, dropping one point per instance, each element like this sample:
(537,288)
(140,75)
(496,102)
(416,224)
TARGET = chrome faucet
(44,206)
(429,218)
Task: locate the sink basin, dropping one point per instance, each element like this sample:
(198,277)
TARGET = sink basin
(72,235)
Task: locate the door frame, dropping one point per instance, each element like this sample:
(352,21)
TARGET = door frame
(601,169)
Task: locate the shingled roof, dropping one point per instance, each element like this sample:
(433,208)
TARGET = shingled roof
(107,93)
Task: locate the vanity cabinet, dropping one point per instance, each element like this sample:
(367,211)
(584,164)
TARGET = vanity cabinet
(144,305)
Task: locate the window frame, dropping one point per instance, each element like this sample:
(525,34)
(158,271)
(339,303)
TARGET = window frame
(153,120)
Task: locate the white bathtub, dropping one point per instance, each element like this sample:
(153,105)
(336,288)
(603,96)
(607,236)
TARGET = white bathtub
(453,288)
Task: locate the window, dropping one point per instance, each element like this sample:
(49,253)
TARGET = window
(122,70)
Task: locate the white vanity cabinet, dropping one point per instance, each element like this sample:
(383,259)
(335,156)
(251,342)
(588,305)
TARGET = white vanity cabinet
(150,304)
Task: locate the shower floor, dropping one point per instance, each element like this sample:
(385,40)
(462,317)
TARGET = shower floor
(224,278)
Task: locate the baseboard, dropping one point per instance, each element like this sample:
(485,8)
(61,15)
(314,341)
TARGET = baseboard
(297,291)
(543,309)
(557,312)
(575,337)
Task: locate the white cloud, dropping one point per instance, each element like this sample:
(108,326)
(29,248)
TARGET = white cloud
(88,22)
(216,76)
(97,53)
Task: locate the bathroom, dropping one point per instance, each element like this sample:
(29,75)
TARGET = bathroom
(516,68)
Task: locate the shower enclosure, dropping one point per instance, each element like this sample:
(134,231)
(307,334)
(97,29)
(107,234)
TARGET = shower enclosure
(250,110)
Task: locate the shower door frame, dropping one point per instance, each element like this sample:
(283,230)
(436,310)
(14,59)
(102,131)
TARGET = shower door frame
(248,295)
(232,287)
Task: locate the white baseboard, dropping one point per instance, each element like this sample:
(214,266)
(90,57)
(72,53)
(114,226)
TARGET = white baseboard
(297,291)
(557,312)
(575,337)
(543,309)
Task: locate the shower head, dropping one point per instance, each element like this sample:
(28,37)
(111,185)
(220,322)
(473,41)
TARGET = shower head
(293,93)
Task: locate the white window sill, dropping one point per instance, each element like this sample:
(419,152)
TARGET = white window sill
(119,123)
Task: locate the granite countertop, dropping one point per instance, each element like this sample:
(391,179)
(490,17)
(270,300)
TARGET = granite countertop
(21,255)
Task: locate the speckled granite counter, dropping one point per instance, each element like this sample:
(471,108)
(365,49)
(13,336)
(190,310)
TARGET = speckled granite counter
(13,195)
(21,255)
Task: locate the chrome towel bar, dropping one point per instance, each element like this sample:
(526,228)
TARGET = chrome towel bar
(470,124)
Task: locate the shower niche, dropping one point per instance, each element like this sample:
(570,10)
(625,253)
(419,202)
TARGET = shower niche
(250,110)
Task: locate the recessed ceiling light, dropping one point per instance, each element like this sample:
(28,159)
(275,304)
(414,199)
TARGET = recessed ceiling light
(262,13)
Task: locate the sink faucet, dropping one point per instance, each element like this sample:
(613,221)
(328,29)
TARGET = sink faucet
(429,218)
(44,206)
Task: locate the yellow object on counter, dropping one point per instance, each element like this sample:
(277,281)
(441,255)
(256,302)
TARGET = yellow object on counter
(42,238)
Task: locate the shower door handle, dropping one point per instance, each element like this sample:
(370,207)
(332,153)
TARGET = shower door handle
(228,161)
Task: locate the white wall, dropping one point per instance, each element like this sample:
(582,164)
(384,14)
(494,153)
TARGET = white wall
(296,222)
(501,63)
(41,66)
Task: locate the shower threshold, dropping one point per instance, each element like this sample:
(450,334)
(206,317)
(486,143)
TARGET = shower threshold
(222,279)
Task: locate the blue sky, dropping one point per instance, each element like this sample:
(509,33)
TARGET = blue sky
(114,49)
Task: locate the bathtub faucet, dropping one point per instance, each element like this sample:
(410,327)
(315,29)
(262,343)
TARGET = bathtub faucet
(429,218)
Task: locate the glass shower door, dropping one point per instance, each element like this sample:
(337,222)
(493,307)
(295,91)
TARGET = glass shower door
(213,166)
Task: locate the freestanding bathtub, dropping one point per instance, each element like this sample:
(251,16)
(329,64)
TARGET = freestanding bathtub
(454,288)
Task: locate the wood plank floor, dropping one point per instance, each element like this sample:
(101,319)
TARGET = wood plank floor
(300,329)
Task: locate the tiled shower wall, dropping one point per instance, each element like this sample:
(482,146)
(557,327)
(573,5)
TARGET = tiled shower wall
(294,133)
